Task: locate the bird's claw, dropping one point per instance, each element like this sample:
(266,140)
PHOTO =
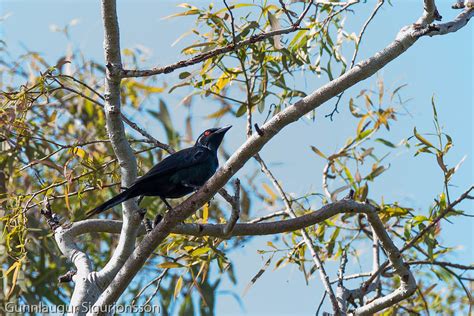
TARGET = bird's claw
(148,225)
(141,212)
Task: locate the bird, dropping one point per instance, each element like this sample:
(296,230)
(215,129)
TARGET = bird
(177,175)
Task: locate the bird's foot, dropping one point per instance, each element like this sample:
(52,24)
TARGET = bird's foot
(141,212)
(148,225)
(157,220)
(168,206)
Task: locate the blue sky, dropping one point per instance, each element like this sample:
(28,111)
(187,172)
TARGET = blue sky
(440,66)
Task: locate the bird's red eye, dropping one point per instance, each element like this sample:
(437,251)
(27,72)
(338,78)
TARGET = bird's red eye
(207,133)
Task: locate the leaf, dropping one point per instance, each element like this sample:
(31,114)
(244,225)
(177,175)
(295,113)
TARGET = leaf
(144,87)
(205,212)
(185,13)
(66,196)
(386,142)
(318,152)
(178,286)
(257,276)
(235,6)
(337,191)
(348,175)
(269,191)
(184,75)
(164,117)
(81,153)
(275,25)
(439,159)
(219,113)
(376,172)
(17,267)
(361,126)
(363,192)
(223,80)
(170,265)
(422,139)
(332,242)
(241,111)
(396,90)
(365,133)
(200,251)
(355,111)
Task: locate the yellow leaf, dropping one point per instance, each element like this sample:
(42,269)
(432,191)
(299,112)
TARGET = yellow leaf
(15,278)
(219,113)
(13,266)
(146,88)
(269,191)
(81,153)
(205,212)
(223,80)
(170,265)
(200,251)
(178,286)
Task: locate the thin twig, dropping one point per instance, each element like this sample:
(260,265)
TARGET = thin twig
(269,216)
(285,10)
(235,213)
(232,23)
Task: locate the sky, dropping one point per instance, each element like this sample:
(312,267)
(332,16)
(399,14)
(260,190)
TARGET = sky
(440,66)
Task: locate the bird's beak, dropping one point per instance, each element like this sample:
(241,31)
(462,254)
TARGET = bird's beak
(223,130)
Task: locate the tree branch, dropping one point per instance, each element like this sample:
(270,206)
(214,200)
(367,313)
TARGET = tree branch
(445,28)
(235,212)
(124,73)
(413,242)
(120,144)
(85,288)
(405,39)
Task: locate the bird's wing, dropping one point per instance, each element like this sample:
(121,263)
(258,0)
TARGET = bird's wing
(180,160)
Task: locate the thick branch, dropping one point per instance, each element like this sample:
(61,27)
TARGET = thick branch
(120,144)
(240,229)
(85,289)
(445,28)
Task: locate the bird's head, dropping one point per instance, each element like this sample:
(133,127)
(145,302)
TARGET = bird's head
(212,138)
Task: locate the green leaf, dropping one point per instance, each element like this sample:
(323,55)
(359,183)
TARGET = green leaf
(422,139)
(386,142)
(332,242)
(241,111)
(184,75)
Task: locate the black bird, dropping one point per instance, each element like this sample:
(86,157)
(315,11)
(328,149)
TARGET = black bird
(177,175)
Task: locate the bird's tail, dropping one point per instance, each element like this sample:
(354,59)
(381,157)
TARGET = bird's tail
(121,197)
